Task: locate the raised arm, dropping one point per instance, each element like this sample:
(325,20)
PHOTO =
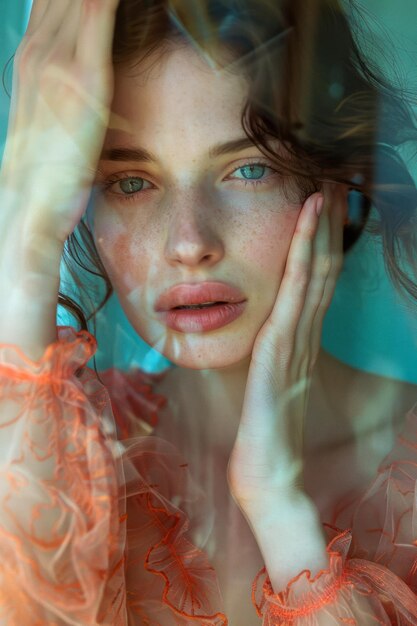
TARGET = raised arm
(61,529)
(62,521)
(59,114)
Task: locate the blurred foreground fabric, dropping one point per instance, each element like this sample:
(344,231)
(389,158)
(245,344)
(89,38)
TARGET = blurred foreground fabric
(368,325)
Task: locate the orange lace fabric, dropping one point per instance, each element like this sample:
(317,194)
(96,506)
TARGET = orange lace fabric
(94,523)
(62,518)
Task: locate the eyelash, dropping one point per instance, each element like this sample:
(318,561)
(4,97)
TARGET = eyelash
(117,178)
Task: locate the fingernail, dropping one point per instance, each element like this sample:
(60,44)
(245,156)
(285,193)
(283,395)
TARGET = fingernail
(319,205)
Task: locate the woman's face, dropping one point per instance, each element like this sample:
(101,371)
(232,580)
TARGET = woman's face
(190,220)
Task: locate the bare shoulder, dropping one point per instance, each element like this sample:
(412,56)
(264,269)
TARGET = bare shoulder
(396,396)
(363,401)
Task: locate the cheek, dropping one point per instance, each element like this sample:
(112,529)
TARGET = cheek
(123,256)
(267,244)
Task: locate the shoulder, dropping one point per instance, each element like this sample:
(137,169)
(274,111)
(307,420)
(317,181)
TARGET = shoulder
(367,386)
(351,402)
(393,396)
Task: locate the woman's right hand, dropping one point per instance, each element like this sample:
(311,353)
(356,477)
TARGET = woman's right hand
(60,110)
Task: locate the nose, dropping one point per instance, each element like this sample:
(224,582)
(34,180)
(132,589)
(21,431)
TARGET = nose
(193,239)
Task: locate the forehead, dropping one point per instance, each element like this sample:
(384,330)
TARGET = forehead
(177,92)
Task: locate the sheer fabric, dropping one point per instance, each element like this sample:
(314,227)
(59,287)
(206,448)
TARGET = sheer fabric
(96,514)
(62,518)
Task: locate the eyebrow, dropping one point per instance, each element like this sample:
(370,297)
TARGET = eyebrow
(236,145)
(127,153)
(120,153)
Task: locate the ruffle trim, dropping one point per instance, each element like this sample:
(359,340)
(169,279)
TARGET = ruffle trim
(295,601)
(306,595)
(157,477)
(62,489)
(61,360)
(135,405)
(177,578)
(179,582)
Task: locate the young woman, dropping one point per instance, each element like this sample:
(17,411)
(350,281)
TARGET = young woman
(221,150)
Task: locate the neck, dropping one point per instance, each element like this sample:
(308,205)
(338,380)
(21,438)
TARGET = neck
(210,401)
(208,404)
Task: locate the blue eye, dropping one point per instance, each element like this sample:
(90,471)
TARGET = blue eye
(131,185)
(126,187)
(252,172)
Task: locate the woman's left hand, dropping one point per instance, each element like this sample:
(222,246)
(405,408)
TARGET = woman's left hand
(265,470)
(267,457)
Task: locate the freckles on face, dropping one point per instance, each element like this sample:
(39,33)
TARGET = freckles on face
(268,242)
(198,216)
(126,261)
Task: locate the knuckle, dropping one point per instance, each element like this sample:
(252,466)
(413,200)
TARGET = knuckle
(331,283)
(54,78)
(310,232)
(284,355)
(299,274)
(26,57)
(51,70)
(337,263)
(324,265)
(305,231)
(32,63)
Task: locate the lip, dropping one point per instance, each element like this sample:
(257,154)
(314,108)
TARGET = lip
(187,294)
(230,305)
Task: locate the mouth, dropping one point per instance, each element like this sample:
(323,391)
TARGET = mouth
(197,307)
(200,307)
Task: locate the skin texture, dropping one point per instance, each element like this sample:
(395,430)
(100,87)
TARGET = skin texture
(198,219)
(195,219)
(59,114)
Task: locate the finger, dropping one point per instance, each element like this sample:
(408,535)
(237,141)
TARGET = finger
(292,292)
(39,9)
(320,267)
(95,39)
(68,30)
(50,19)
(336,213)
(337,205)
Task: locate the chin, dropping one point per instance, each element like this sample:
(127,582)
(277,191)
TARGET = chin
(200,351)
(202,361)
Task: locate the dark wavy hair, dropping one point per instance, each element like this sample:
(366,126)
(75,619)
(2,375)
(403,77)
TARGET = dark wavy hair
(310,89)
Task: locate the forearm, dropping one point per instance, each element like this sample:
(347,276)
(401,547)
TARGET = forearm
(328,586)
(29,273)
(59,487)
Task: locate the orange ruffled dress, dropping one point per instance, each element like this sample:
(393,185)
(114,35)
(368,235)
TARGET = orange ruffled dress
(94,526)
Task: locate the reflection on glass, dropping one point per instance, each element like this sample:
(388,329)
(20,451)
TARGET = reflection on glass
(188,180)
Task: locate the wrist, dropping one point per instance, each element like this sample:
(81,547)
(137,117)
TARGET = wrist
(279,508)
(290,536)
(29,285)
(255,494)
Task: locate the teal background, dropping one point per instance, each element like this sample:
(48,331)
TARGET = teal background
(369,325)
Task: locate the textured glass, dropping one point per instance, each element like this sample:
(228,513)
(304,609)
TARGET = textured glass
(208,297)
